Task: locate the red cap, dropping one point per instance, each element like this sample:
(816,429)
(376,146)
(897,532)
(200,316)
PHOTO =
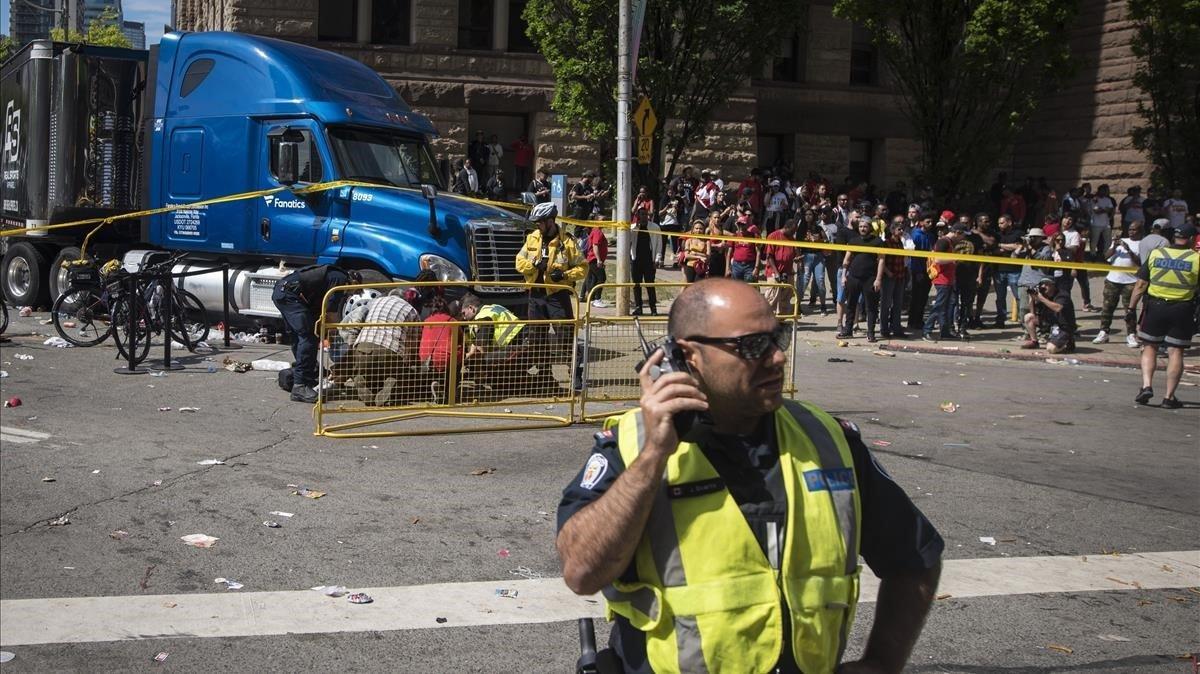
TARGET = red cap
(948,215)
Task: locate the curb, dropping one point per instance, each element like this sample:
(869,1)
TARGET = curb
(1034,356)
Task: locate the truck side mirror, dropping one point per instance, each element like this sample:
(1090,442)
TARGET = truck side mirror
(430,193)
(287,163)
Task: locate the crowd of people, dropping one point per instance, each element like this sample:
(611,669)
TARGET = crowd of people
(897,296)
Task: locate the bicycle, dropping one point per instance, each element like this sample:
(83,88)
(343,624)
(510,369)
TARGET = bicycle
(189,317)
(81,314)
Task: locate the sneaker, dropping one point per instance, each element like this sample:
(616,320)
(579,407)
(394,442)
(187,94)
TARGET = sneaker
(928,337)
(304,394)
(1144,395)
(1101,337)
(871,338)
(842,335)
(999,324)
(1131,341)
(1171,403)
(600,304)
(1030,344)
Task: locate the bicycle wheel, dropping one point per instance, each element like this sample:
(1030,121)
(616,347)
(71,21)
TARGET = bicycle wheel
(138,341)
(190,323)
(81,316)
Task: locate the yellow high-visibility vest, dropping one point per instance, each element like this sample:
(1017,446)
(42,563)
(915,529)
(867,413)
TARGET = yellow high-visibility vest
(506,328)
(707,597)
(1174,273)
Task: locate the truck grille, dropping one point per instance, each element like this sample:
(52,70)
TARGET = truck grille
(494,251)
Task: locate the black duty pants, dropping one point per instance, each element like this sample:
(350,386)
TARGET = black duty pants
(865,287)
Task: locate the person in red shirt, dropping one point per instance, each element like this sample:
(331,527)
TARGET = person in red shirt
(755,196)
(1014,205)
(942,271)
(779,264)
(743,256)
(597,254)
(522,161)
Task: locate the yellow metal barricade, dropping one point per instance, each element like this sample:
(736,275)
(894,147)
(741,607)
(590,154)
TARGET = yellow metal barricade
(388,372)
(612,349)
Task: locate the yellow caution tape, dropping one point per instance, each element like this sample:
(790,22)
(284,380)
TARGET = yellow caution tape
(605,224)
(787,243)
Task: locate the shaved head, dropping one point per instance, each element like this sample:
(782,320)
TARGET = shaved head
(739,391)
(692,310)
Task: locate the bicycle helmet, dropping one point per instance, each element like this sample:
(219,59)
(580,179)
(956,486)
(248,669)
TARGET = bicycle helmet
(542,212)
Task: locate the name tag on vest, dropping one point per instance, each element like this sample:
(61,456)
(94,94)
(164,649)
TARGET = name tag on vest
(834,479)
(700,488)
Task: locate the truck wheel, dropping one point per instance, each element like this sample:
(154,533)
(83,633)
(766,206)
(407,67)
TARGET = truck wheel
(58,274)
(23,276)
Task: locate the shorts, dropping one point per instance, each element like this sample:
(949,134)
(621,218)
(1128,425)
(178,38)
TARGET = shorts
(1169,322)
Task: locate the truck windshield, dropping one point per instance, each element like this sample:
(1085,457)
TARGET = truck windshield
(382,157)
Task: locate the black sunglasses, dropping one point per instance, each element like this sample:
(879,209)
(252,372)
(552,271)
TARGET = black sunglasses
(753,346)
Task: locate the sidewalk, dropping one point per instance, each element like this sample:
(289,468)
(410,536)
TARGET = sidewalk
(987,343)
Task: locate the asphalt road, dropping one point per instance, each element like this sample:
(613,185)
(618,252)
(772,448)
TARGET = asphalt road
(1050,460)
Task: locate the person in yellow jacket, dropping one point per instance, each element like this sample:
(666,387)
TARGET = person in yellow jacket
(550,256)
(737,551)
(1168,280)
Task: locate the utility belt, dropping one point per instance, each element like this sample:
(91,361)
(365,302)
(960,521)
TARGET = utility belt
(1162,300)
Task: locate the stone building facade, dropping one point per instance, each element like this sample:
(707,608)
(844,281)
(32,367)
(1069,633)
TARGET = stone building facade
(824,104)
(1081,133)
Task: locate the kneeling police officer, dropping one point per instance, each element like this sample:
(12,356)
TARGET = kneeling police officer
(298,297)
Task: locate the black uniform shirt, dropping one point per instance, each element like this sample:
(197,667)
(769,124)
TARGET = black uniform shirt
(895,536)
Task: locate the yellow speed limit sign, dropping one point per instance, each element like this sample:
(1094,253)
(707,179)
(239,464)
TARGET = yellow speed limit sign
(645,148)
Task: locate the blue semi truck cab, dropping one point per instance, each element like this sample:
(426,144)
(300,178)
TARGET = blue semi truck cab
(100,131)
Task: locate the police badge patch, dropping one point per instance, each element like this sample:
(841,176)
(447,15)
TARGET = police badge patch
(595,469)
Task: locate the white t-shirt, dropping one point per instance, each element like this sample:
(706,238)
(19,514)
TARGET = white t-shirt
(1177,210)
(777,202)
(1122,259)
(1102,220)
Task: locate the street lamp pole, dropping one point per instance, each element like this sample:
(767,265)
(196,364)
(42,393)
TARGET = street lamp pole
(624,150)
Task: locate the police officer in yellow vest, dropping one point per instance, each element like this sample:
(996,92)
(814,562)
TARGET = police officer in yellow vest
(738,552)
(497,353)
(1168,280)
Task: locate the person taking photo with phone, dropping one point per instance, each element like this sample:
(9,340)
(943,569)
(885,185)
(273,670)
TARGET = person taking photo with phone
(746,538)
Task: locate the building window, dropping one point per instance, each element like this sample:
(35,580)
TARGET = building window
(475,24)
(391,22)
(337,21)
(860,160)
(518,40)
(864,58)
(789,62)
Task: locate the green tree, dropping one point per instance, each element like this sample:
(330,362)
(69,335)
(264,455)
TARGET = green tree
(693,55)
(1168,49)
(970,73)
(7,47)
(104,31)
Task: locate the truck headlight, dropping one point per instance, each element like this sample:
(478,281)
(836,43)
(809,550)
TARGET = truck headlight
(443,268)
